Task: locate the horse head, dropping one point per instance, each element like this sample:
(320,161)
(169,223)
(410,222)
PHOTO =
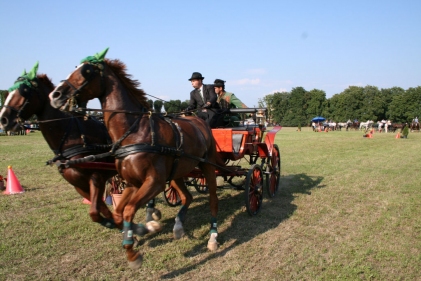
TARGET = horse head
(27,90)
(80,85)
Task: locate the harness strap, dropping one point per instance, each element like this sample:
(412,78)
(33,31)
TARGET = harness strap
(117,144)
(89,158)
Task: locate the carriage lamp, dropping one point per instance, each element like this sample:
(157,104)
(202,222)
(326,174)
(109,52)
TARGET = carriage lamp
(260,117)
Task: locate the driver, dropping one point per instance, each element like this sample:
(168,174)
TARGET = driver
(203,98)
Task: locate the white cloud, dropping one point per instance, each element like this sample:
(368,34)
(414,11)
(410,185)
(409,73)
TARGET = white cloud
(278,91)
(246,81)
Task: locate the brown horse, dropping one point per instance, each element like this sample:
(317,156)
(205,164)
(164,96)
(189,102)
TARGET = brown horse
(149,149)
(415,126)
(69,137)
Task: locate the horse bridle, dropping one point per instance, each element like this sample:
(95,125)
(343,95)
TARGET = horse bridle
(27,97)
(71,101)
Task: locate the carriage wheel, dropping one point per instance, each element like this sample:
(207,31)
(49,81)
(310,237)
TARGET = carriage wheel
(171,196)
(254,190)
(200,185)
(272,179)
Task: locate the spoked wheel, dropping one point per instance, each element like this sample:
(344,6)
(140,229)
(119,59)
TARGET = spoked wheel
(171,196)
(274,176)
(200,185)
(254,190)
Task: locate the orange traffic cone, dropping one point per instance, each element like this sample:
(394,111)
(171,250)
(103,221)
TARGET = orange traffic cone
(12,186)
(86,201)
(398,136)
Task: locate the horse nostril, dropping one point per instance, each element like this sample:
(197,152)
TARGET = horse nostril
(4,121)
(56,94)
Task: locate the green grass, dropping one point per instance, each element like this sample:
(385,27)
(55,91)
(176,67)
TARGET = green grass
(348,209)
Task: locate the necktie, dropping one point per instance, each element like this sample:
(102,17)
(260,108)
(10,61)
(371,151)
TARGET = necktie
(200,93)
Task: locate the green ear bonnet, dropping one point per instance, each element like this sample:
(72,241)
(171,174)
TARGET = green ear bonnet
(98,58)
(29,79)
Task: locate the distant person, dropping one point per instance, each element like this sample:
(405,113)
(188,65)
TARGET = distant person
(202,98)
(226,100)
(416,120)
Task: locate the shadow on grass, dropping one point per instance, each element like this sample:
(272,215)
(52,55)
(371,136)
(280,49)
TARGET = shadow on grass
(244,228)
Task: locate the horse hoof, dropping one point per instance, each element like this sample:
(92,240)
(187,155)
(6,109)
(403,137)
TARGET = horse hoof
(136,264)
(213,243)
(178,233)
(156,215)
(153,226)
(212,246)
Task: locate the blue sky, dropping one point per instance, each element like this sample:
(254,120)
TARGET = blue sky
(258,47)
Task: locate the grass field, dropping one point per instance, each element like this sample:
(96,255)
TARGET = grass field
(348,209)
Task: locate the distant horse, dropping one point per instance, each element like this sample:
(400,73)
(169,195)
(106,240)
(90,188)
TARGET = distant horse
(332,126)
(345,125)
(68,137)
(378,126)
(149,149)
(366,125)
(415,126)
(355,125)
(396,126)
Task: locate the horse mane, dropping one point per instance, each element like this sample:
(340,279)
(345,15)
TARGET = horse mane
(46,80)
(119,69)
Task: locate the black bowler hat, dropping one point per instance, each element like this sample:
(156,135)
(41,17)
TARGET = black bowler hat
(219,83)
(196,75)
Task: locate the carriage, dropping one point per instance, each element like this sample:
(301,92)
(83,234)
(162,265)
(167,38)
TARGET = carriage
(245,144)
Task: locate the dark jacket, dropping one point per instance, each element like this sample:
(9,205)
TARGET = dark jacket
(209,95)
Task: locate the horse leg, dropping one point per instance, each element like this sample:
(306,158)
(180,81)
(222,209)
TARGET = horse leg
(97,188)
(186,199)
(125,198)
(152,213)
(149,190)
(93,210)
(209,173)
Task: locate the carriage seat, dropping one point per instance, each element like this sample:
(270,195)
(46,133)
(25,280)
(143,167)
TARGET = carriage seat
(229,140)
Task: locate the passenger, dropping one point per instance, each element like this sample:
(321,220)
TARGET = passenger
(226,100)
(202,98)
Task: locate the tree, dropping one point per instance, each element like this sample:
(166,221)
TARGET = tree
(267,102)
(297,105)
(150,102)
(280,106)
(157,106)
(3,94)
(316,103)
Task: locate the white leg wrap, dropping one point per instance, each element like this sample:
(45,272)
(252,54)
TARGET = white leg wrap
(178,230)
(153,226)
(212,242)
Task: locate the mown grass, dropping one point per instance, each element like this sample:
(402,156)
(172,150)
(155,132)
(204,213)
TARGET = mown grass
(348,209)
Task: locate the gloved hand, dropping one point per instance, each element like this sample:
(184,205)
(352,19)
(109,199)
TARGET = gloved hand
(206,106)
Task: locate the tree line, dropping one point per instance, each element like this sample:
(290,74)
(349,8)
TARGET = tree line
(299,106)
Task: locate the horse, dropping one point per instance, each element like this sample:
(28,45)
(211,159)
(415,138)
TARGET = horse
(69,137)
(355,125)
(396,126)
(345,125)
(332,126)
(366,125)
(149,149)
(415,126)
